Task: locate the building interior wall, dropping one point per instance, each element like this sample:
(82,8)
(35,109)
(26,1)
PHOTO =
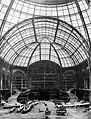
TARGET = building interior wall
(72,77)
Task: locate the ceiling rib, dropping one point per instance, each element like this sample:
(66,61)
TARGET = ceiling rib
(34,30)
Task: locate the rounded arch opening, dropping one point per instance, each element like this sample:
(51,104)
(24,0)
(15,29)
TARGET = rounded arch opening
(45,75)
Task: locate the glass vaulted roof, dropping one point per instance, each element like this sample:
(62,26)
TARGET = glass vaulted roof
(30,31)
(43,38)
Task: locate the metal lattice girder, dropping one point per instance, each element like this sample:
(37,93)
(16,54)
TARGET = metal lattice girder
(5,16)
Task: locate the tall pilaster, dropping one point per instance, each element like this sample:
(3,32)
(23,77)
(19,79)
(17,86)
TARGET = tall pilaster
(1,79)
(11,78)
(88,42)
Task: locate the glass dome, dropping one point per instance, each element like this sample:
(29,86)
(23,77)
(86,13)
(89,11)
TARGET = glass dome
(51,39)
(19,10)
(43,38)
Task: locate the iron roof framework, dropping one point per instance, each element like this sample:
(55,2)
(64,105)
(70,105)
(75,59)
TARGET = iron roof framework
(14,11)
(43,38)
(47,33)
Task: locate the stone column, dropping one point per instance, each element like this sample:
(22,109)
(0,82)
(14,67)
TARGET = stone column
(11,78)
(0,84)
(89,63)
(1,80)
